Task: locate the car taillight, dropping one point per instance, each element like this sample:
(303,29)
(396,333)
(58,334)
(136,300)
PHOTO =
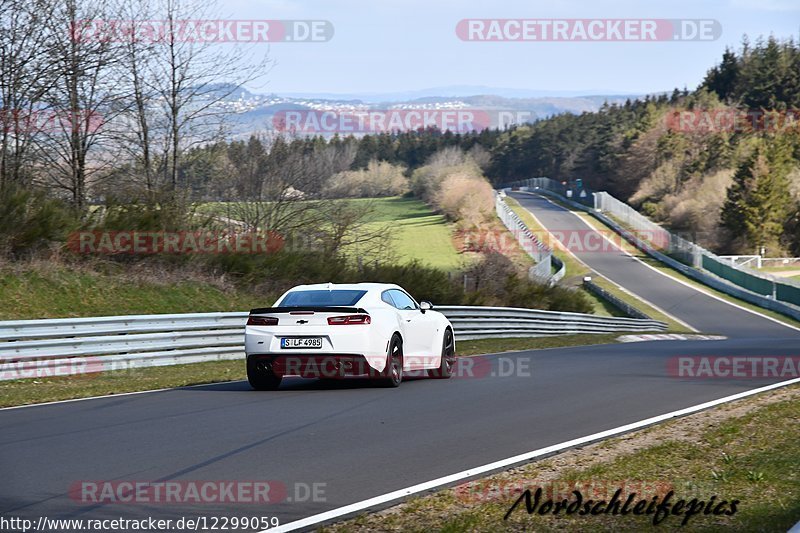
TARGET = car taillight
(349,319)
(262,321)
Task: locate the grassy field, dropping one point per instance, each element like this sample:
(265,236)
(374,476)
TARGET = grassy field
(30,391)
(418,232)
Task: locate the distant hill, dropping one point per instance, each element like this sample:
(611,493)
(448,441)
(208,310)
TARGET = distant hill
(254,112)
(452,91)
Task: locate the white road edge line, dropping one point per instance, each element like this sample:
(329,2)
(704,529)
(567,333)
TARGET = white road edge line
(504,463)
(578,259)
(691,286)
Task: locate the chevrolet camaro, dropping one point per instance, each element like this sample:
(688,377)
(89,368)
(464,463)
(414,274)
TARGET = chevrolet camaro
(328,331)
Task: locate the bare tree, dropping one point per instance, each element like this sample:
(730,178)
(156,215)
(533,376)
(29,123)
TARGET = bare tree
(26,74)
(190,78)
(124,103)
(289,181)
(348,228)
(83,97)
(134,130)
(288,201)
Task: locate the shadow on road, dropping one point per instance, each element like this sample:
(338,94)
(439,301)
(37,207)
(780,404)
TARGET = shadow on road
(300,384)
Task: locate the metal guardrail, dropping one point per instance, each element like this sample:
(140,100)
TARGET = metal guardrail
(74,346)
(498,322)
(70,346)
(538,251)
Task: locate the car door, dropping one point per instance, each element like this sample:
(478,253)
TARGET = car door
(420,330)
(406,312)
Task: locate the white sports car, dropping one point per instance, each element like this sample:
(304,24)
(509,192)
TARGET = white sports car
(330,331)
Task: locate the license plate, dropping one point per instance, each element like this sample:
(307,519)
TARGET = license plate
(302,342)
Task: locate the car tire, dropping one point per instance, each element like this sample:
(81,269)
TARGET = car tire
(260,377)
(448,359)
(393,373)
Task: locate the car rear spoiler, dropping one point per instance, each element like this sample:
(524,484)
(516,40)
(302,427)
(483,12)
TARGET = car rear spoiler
(320,309)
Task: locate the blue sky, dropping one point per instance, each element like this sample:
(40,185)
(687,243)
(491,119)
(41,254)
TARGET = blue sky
(400,45)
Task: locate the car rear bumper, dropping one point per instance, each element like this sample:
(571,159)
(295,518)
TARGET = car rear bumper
(317,365)
(337,342)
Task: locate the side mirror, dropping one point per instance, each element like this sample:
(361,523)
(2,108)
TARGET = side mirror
(425,305)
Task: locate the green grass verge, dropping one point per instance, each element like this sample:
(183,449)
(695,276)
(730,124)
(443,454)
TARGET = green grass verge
(62,292)
(31,391)
(788,268)
(779,269)
(483,346)
(747,451)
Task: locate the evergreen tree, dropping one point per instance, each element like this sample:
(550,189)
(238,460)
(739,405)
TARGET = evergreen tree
(759,204)
(724,78)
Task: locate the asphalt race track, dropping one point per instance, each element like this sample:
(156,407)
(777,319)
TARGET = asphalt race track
(703,312)
(355,441)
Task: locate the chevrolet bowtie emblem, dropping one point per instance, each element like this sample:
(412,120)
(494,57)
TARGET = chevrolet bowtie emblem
(302,321)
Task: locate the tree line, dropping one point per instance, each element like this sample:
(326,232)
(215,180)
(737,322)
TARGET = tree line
(89,121)
(83,103)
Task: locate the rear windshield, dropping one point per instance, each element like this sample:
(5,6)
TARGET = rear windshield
(322,298)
